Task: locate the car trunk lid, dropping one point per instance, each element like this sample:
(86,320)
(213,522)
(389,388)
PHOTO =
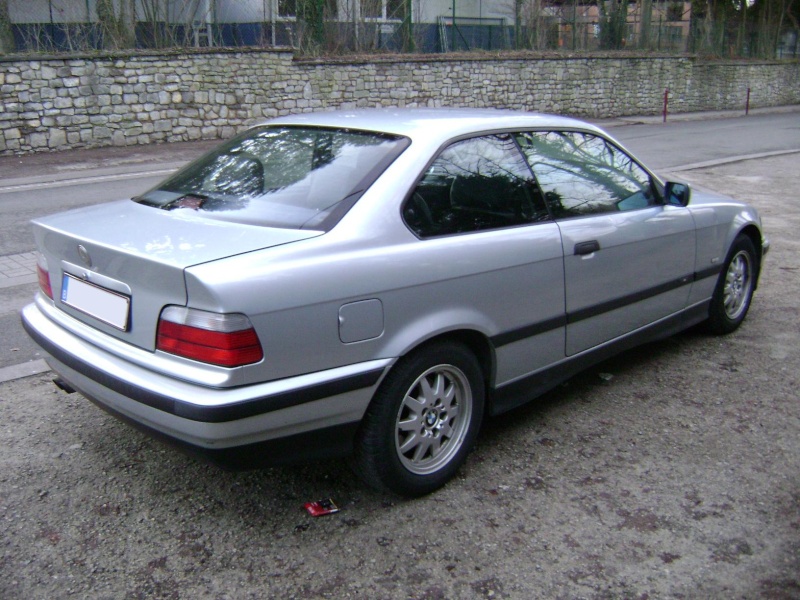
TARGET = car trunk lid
(123,262)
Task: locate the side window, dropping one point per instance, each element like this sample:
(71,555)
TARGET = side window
(582,174)
(476,184)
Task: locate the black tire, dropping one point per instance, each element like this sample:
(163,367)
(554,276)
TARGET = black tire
(422,422)
(734,291)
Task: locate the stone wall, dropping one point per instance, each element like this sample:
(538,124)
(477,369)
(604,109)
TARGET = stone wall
(60,103)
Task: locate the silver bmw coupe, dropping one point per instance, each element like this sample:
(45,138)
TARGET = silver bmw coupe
(375,283)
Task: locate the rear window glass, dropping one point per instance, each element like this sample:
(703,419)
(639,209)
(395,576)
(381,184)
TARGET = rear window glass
(290,177)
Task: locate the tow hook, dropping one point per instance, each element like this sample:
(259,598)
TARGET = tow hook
(63,385)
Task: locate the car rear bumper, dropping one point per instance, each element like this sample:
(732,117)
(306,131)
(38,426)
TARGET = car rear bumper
(276,422)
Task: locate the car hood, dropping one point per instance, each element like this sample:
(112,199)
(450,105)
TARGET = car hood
(142,252)
(702,196)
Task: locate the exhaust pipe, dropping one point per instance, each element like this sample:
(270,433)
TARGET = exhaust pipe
(63,385)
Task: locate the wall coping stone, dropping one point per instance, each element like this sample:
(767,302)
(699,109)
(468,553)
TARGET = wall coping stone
(137,53)
(361,59)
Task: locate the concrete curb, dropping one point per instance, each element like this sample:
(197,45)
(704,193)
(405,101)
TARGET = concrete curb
(27,369)
(730,159)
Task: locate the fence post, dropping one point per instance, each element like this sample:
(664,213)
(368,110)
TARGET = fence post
(666,99)
(747,104)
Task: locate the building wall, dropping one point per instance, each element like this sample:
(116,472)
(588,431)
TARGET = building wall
(60,103)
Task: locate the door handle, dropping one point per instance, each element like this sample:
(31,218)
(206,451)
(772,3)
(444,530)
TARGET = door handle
(582,248)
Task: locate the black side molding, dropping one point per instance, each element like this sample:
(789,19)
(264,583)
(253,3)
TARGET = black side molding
(524,390)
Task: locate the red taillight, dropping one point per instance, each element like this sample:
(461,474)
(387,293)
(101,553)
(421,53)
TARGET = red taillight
(44,276)
(227,340)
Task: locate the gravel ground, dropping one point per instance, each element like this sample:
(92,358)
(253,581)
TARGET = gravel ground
(671,471)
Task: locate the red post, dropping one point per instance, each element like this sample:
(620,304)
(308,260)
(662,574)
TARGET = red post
(666,99)
(747,105)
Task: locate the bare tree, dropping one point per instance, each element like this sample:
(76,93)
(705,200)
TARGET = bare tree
(613,21)
(115,24)
(537,25)
(646,24)
(7,43)
(407,28)
(311,18)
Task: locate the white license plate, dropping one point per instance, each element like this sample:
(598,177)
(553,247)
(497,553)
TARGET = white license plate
(102,304)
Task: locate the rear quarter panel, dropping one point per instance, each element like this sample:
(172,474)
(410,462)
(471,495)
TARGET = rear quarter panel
(489,282)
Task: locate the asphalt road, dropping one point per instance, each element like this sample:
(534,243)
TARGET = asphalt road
(665,147)
(672,471)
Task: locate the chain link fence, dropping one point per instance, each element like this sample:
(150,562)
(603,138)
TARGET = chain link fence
(347,26)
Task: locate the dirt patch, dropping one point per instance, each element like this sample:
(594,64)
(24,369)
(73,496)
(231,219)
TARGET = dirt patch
(678,477)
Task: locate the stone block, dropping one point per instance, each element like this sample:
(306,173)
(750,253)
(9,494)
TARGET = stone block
(57,138)
(38,140)
(62,103)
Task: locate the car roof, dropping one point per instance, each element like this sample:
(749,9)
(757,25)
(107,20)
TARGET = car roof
(429,123)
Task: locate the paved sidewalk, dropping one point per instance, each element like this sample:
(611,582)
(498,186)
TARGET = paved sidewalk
(17,269)
(693,116)
(75,164)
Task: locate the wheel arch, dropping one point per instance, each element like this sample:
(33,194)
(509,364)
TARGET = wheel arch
(754,234)
(477,343)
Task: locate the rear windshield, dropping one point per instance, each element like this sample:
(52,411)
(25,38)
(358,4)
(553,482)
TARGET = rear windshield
(290,177)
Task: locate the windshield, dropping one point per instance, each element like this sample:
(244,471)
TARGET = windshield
(291,177)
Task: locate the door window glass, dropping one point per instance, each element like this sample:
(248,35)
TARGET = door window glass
(582,174)
(476,184)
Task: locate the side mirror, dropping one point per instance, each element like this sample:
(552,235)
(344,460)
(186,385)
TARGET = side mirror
(677,194)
